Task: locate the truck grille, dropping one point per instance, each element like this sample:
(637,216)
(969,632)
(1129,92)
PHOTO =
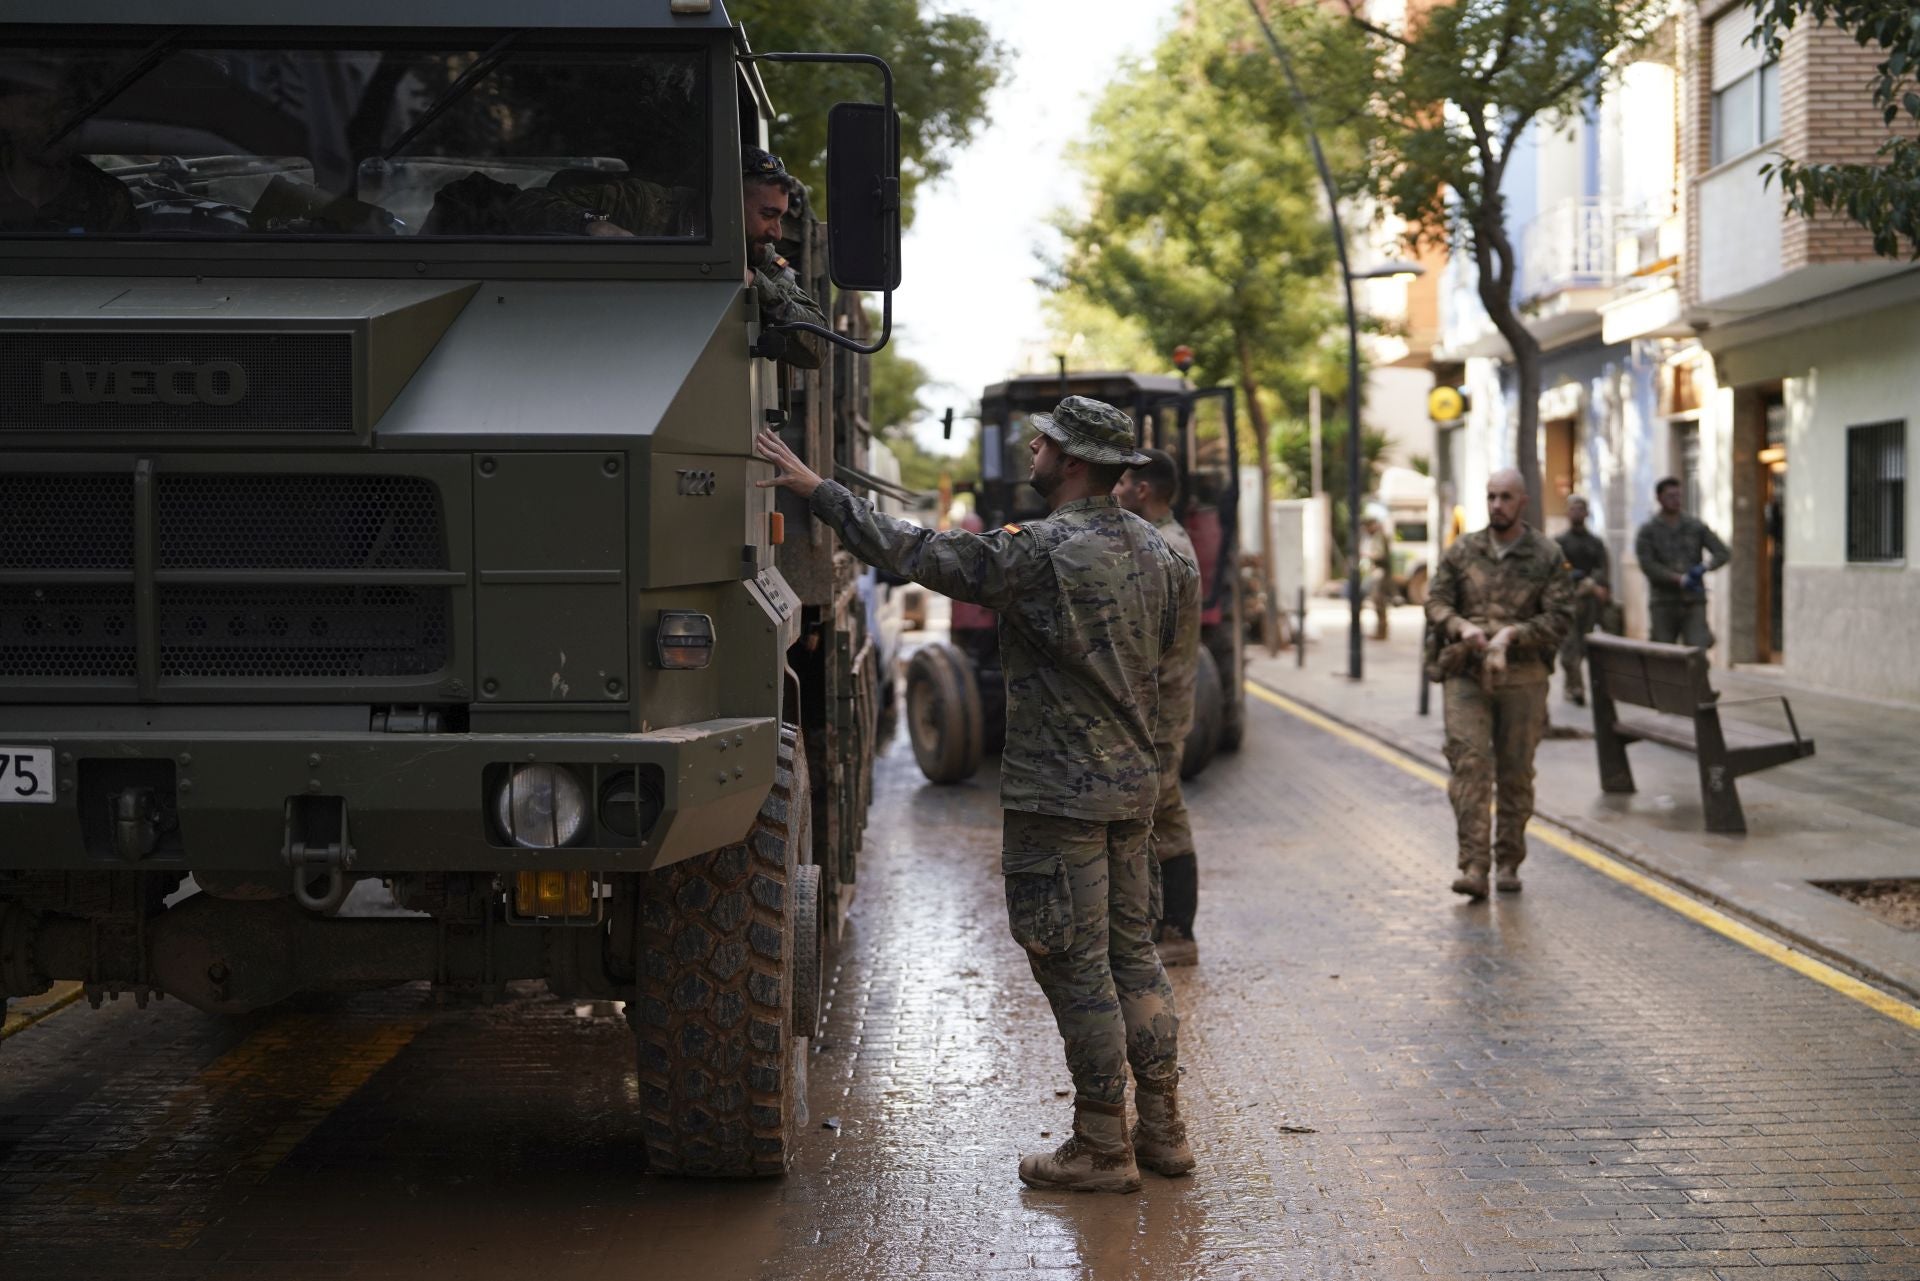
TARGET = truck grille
(213,382)
(206,528)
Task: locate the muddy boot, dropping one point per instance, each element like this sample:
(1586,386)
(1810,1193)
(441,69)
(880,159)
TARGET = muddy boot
(1160,1136)
(1097,1158)
(1508,882)
(1471,882)
(1176,946)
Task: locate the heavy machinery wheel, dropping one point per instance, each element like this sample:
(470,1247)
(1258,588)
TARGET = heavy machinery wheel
(715,1003)
(1203,738)
(1229,647)
(943,713)
(1416,588)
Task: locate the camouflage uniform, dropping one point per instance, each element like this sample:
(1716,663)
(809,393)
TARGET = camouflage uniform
(1494,724)
(1586,556)
(1088,600)
(648,209)
(91,202)
(1666,552)
(1173,852)
(1376,548)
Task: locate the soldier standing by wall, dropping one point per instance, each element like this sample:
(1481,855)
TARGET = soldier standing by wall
(1088,602)
(1671,547)
(1376,554)
(1592,593)
(1149,492)
(1501,602)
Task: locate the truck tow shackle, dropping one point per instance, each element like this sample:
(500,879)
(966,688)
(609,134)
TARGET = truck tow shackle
(317,838)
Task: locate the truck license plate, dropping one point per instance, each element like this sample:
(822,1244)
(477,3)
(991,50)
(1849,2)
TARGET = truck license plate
(26,775)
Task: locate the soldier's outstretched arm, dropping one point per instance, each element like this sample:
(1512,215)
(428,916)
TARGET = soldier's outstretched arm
(984,569)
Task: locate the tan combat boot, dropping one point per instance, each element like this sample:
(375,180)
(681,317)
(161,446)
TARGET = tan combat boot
(1096,1159)
(1471,882)
(1508,882)
(1160,1136)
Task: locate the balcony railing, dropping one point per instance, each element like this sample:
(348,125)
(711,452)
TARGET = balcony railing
(1574,245)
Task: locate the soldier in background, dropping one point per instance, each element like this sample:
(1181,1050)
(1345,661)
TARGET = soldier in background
(1089,604)
(1500,604)
(45,184)
(1149,492)
(1676,553)
(1587,559)
(1376,556)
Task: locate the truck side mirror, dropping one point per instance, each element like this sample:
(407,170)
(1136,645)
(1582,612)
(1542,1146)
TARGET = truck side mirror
(863,197)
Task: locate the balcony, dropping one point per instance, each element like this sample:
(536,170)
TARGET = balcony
(1570,262)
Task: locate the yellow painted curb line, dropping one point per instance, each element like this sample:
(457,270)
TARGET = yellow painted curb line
(58,998)
(1660,892)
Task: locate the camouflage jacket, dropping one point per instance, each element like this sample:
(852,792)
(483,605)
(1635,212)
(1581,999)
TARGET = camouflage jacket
(1529,589)
(1178,664)
(1089,603)
(91,202)
(1665,551)
(783,298)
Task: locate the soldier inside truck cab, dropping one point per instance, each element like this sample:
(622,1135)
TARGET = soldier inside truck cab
(45,185)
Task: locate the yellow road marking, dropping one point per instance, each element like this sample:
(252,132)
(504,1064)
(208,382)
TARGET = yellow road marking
(1660,892)
(23,1015)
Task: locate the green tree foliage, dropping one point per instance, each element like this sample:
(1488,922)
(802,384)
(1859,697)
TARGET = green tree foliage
(945,66)
(1447,97)
(898,401)
(1882,197)
(1204,231)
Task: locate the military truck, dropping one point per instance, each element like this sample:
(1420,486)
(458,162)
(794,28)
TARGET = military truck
(363,525)
(956,694)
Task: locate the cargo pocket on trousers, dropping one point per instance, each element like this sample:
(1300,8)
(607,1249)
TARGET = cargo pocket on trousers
(1156,890)
(1039,902)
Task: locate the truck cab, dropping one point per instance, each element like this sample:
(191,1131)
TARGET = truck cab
(376,504)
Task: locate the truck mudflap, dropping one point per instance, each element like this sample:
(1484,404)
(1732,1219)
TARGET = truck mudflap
(411,802)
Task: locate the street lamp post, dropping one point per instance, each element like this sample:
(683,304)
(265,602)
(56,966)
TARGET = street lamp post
(1347,277)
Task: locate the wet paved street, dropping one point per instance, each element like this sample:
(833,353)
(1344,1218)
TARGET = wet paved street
(1382,1080)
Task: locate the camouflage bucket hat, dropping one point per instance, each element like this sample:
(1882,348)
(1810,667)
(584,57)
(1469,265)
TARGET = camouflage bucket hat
(1090,429)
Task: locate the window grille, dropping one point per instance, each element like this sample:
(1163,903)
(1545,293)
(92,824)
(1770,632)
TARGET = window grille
(1877,493)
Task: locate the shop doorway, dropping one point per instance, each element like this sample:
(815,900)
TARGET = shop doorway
(1556,480)
(1771,459)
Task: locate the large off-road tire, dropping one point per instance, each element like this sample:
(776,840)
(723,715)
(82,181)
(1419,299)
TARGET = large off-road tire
(809,950)
(713,1014)
(943,713)
(1203,737)
(1229,647)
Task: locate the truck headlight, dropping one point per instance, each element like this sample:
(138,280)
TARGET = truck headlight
(684,641)
(541,806)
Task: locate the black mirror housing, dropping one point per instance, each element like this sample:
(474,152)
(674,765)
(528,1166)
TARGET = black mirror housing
(863,197)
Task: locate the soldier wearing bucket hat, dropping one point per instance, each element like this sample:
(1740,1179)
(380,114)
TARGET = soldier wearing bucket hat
(1089,601)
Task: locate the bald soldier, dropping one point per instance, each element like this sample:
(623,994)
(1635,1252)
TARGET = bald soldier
(1499,607)
(1149,492)
(1089,603)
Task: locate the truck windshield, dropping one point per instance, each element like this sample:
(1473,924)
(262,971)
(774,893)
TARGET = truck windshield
(501,140)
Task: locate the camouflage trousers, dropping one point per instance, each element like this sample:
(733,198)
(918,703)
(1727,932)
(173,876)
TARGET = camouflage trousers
(1077,901)
(1679,621)
(1491,738)
(1175,872)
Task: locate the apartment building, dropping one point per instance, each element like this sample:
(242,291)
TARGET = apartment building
(1798,410)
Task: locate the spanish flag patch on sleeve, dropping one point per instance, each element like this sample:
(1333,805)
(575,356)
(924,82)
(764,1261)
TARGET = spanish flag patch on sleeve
(1010,528)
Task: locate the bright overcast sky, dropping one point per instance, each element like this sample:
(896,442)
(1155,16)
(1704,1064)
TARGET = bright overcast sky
(968,306)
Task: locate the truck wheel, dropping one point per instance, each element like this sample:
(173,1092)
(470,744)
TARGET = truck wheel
(943,713)
(1203,738)
(716,993)
(1417,586)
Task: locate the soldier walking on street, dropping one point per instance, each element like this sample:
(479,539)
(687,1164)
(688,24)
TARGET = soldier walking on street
(1586,557)
(1499,607)
(1088,600)
(1676,554)
(1149,492)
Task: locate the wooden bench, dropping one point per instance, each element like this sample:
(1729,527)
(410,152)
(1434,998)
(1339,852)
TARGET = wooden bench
(1672,680)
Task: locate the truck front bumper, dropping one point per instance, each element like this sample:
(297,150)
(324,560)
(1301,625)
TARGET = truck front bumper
(412,802)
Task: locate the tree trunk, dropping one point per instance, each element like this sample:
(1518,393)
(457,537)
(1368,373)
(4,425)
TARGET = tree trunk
(1493,254)
(1262,435)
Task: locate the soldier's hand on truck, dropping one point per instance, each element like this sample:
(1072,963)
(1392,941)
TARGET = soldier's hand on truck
(790,472)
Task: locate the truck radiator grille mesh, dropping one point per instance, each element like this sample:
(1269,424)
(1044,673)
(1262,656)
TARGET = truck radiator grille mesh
(207,526)
(176,382)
